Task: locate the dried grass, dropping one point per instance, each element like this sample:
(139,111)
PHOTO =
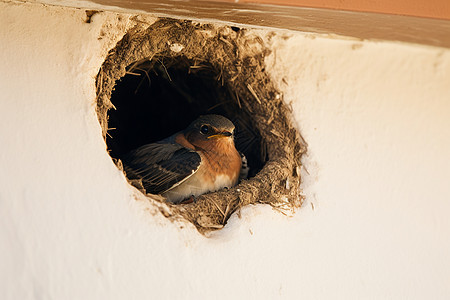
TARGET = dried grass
(239,58)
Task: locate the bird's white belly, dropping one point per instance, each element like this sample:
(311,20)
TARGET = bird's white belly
(195,186)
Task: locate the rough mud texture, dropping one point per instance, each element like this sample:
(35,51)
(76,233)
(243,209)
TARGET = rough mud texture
(239,58)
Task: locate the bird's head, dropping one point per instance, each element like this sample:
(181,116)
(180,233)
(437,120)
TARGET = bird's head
(210,130)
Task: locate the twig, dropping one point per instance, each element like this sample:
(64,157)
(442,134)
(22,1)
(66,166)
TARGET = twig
(226,42)
(226,212)
(253,93)
(221,211)
(218,104)
(162,64)
(238,101)
(131,73)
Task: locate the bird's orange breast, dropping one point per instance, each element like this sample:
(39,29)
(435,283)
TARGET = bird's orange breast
(220,158)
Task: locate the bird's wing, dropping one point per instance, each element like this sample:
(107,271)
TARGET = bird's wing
(161,166)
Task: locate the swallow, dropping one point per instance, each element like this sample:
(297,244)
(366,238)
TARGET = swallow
(199,159)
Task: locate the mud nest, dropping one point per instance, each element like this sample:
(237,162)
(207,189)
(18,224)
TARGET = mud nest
(162,76)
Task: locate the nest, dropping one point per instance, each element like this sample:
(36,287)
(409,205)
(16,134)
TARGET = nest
(234,58)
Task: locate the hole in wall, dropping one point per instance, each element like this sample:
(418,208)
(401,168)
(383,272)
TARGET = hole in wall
(161,76)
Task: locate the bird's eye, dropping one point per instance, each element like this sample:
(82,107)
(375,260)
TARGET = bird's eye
(204,129)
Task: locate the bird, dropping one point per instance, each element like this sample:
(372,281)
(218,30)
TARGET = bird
(199,159)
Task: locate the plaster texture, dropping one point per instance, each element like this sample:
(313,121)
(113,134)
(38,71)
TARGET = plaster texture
(375,225)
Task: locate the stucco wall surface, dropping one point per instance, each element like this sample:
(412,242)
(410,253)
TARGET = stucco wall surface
(376,116)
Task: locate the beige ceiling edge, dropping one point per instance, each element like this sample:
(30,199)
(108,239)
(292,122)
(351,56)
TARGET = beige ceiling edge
(358,25)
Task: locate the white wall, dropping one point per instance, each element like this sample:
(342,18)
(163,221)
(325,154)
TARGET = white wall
(375,222)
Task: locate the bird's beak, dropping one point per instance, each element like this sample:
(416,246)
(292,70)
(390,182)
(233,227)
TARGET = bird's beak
(220,135)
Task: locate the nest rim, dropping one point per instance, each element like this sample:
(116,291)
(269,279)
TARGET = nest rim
(240,57)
